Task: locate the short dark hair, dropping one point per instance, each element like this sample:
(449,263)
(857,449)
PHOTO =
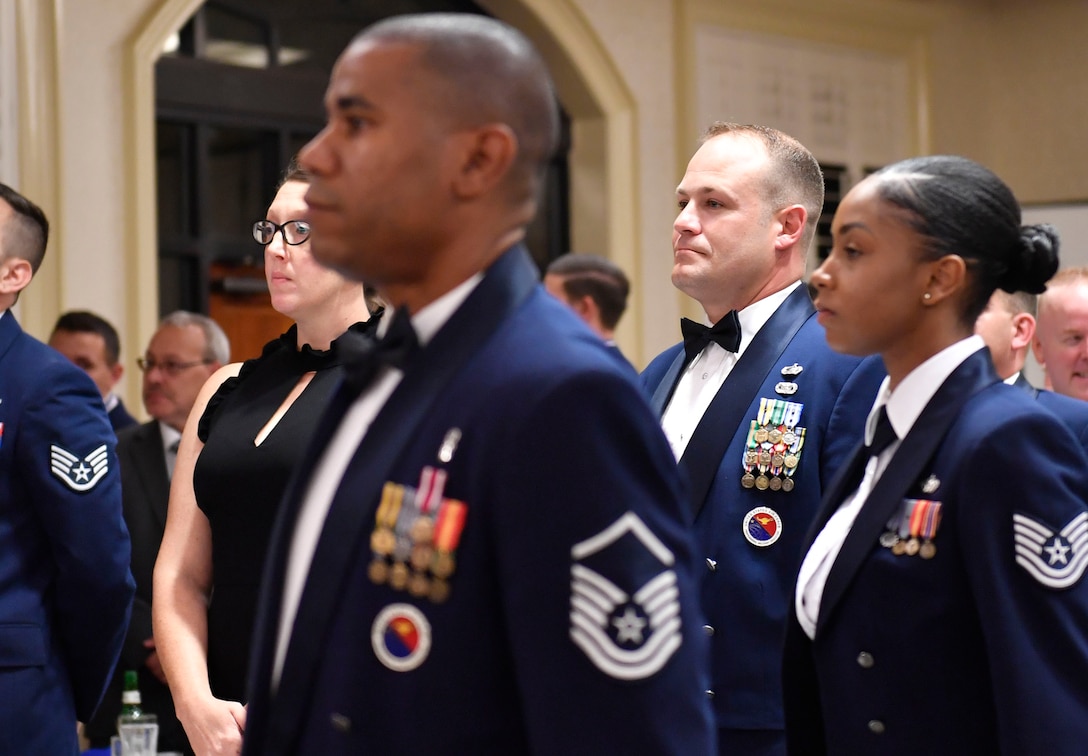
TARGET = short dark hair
(795,176)
(26,233)
(962,208)
(597,278)
(83,321)
(489,71)
(1017,302)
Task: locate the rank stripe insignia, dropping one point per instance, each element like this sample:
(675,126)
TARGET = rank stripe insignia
(595,601)
(79,477)
(1066,556)
(629,522)
(646,624)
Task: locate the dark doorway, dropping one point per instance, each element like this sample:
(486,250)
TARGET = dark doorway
(238,93)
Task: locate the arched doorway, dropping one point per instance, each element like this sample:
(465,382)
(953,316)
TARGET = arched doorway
(603,188)
(238,92)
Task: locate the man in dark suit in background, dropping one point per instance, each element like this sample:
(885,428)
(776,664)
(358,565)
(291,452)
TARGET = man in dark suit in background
(454,570)
(1007,325)
(92,344)
(759,410)
(183,352)
(65,587)
(594,287)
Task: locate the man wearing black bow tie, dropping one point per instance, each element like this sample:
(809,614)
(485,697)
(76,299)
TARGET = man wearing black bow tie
(758,409)
(454,571)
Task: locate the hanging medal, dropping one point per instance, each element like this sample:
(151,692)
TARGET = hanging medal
(762,433)
(382,539)
(902,528)
(763,436)
(447,535)
(928,549)
(794,440)
(793,456)
(432,481)
(402,548)
(750,456)
(778,447)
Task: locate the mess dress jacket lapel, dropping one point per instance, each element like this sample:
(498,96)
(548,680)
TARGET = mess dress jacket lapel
(744,587)
(65,587)
(517,374)
(965,652)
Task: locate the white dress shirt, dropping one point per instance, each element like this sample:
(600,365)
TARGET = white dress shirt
(904,405)
(701,379)
(170,440)
(326,477)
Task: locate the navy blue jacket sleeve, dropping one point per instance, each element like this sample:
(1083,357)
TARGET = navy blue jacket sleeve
(66,452)
(599,508)
(1023,528)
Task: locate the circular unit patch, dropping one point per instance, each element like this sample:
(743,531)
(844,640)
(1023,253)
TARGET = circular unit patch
(401,637)
(762,527)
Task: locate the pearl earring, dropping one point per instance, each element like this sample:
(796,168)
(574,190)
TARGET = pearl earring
(927,296)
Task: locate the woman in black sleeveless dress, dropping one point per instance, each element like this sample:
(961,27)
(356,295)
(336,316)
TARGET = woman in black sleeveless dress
(250,425)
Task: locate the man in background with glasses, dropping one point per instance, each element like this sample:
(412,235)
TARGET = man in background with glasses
(183,352)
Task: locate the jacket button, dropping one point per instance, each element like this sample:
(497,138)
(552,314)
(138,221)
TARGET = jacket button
(339,722)
(876,727)
(711,564)
(709,694)
(708,629)
(866,660)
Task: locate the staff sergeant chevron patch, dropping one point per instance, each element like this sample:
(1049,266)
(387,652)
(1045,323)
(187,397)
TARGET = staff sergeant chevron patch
(1057,560)
(79,474)
(624,604)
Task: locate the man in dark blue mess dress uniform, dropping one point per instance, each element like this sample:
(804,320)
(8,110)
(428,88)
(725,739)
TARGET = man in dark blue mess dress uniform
(485,552)
(65,587)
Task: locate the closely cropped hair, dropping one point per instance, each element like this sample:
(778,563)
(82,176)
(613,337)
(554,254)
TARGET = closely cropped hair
(795,177)
(962,208)
(26,233)
(216,343)
(1020,301)
(595,277)
(488,72)
(83,321)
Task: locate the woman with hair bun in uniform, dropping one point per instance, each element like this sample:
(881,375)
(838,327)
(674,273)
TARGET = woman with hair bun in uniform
(941,607)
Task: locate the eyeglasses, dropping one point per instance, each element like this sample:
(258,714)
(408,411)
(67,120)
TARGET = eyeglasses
(169,367)
(294,232)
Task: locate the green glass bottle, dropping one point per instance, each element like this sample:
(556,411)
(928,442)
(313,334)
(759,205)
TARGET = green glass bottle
(132,711)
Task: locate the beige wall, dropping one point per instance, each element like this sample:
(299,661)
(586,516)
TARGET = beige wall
(1005,85)
(639,34)
(1011,90)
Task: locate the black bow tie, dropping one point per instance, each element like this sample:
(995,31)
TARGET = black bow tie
(368,353)
(725,333)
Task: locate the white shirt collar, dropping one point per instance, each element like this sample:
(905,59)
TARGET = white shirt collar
(169,437)
(1012,379)
(428,321)
(755,316)
(912,395)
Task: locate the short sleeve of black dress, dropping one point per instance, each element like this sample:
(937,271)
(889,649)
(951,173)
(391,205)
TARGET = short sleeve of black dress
(239,483)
